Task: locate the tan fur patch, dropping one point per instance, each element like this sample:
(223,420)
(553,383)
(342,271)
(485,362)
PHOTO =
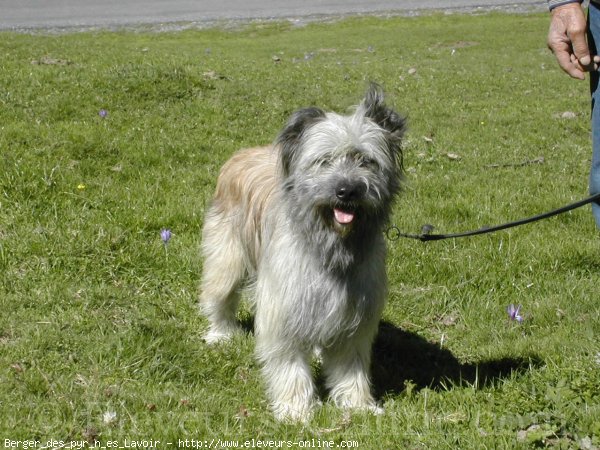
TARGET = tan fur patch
(244,189)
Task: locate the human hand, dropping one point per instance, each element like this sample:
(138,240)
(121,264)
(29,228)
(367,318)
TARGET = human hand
(567,40)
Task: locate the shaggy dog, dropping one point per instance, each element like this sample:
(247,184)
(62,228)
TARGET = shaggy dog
(303,219)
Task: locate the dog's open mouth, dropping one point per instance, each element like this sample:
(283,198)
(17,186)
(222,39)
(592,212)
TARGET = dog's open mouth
(343,220)
(343,217)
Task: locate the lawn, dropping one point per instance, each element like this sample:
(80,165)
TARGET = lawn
(106,138)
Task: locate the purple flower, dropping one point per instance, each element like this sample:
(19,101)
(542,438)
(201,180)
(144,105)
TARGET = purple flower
(103,113)
(165,235)
(513,313)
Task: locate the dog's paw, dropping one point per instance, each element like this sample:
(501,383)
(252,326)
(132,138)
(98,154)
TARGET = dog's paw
(289,412)
(376,410)
(373,409)
(370,407)
(219,335)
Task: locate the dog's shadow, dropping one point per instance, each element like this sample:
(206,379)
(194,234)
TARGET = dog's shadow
(401,357)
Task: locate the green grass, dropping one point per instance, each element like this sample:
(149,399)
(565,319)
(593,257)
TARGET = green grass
(98,317)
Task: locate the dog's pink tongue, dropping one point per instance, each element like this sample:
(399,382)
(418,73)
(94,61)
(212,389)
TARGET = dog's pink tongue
(343,217)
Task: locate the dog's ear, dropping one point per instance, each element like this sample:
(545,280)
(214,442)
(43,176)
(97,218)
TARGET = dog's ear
(375,108)
(289,138)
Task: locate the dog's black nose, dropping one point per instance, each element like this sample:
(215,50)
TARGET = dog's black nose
(346,192)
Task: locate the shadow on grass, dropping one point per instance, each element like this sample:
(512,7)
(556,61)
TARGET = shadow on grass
(400,356)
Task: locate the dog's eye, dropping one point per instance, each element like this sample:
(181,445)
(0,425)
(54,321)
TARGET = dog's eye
(369,163)
(322,162)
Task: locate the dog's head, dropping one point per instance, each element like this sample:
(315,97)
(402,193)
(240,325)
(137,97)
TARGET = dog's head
(343,170)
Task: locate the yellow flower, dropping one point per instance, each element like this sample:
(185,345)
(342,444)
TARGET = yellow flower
(81,186)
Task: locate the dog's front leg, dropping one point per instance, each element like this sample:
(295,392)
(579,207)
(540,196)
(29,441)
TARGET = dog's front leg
(346,368)
(289,379)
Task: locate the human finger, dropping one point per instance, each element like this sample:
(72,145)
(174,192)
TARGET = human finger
(568,61)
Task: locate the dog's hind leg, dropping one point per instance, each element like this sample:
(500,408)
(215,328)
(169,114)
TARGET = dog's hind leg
(224,269)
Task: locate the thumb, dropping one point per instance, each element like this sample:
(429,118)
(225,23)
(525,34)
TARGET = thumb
(580,45)
(583,55)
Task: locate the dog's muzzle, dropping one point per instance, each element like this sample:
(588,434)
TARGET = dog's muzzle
(344,211)
(347,192)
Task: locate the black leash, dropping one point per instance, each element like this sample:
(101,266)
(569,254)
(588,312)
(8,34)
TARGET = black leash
(393,233)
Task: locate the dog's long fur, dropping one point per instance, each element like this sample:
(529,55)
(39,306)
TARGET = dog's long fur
(304,219)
